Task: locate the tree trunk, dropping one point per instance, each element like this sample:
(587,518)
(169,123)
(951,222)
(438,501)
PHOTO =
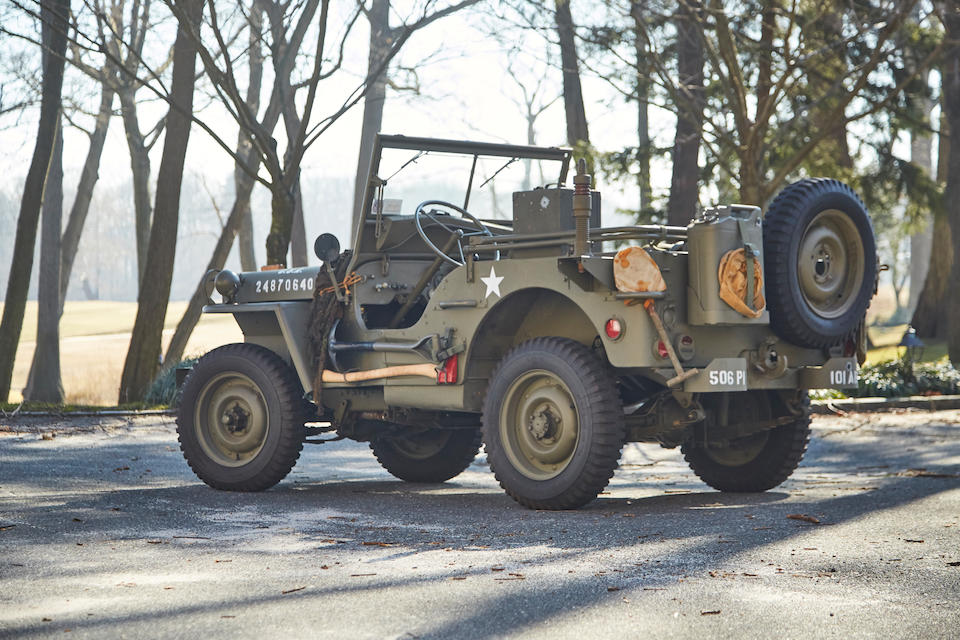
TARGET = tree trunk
(298,231)
(950,73)
(143,356)
(921,242)
(44,383)
(178,343)
(282,206)
(684,191)
(832,153)
(638,10)
(930,317)
(245,244)
(88,179)
(53,15)
(577,133)
(140,168)
(243,187)
(380,37)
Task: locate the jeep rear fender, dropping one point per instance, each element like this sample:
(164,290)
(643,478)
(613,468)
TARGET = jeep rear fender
(518,317)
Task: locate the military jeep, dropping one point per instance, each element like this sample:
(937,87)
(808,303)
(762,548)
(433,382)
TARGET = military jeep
(545,336)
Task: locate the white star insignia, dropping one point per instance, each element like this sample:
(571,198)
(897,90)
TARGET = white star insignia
(493,283)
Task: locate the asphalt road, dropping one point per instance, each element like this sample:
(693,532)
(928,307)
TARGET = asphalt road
(105,533)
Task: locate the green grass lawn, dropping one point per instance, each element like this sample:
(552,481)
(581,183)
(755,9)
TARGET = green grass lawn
(886,341)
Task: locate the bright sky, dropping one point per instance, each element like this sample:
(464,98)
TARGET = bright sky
(465,94)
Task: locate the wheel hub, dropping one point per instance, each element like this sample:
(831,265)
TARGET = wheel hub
(236,419)
(539,425)
(831,264)
(231,419)
(544,423)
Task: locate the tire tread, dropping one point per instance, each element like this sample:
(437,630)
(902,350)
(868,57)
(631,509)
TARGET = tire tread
(292,431)
(608,424)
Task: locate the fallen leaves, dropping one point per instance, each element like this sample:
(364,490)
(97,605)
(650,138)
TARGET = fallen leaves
(294,590)
(923,473)
(375,543)
(6,527)
(803,517)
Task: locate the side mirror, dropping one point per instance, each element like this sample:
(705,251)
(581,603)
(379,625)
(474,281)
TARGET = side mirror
(327,247)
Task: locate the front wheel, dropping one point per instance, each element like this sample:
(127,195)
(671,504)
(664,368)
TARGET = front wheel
(552,424)
(240,422)
(435,455)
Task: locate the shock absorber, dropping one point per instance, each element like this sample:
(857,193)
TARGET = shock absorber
(581,209)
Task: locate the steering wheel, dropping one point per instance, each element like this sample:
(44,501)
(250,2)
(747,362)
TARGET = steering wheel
(421,212)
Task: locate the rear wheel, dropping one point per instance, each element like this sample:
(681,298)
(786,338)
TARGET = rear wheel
(435,455)
(756,462)
(240,421)
(552,424)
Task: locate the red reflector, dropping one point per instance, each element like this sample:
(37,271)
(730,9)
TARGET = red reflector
(448,372)
(662,349)
(614,328)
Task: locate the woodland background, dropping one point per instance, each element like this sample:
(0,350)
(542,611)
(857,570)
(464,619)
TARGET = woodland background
(145,141)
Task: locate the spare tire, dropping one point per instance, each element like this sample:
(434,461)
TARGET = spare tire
(820,260)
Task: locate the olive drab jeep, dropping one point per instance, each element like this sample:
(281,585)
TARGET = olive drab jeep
(539,333)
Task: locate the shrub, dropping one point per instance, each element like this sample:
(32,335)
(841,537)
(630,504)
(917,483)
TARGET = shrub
(163,390)
(895,378)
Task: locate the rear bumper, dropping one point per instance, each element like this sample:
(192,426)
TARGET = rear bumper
(735,374)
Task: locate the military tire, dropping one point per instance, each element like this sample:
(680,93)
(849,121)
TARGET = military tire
(552,424)
(755,463)
(820,262)
(240,422)
(430,456)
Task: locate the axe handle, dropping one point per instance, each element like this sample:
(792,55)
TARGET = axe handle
(425,370)
(655,317)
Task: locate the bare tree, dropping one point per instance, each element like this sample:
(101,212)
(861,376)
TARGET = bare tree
(44,383)
(931,315)
(684,182)
(577,133)
(89,176)
(383,37)
(143,356)
(638,12)
(243,186)
(54,15)
(950,70)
